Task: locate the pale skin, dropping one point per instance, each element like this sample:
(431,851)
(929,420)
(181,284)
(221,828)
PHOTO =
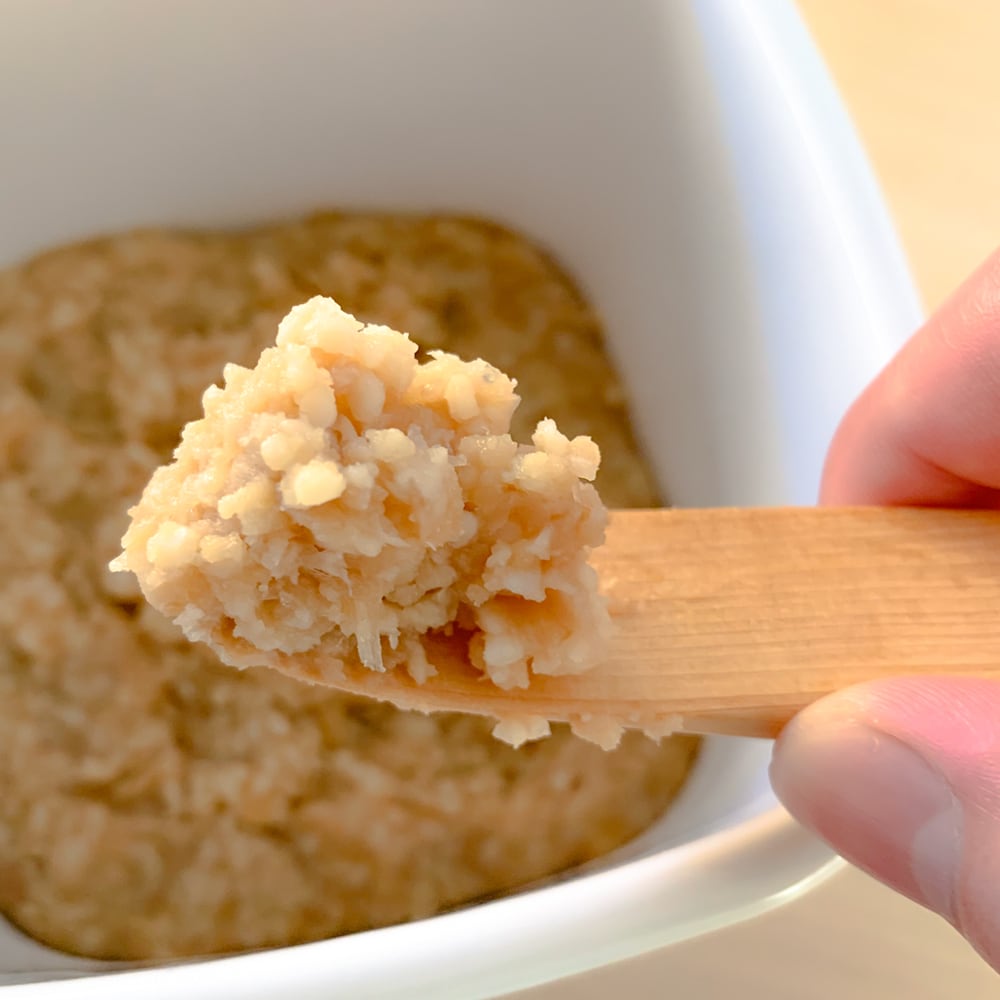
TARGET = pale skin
(902,777)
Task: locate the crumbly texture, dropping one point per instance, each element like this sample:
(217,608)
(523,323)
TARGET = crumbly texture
(156,803)
(340,503)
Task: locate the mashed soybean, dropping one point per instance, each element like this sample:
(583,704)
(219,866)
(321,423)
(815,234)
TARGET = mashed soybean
(156,803)
(340,501)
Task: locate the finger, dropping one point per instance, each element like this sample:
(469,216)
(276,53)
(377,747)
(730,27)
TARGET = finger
(902,777)
(927,431)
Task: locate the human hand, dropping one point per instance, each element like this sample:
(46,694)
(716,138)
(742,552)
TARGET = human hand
(902,776)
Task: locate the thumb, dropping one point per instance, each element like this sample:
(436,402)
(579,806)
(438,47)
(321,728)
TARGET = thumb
(902,778)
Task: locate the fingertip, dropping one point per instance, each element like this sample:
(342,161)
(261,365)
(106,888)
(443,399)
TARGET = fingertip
(902,777)
(925,431)
(870,795)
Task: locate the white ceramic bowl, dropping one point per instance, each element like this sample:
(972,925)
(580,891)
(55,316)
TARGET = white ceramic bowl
(689,163)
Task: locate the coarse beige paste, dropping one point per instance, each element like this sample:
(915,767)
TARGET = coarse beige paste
(155,803)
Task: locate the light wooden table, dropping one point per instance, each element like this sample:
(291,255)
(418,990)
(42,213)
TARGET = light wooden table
(922,79)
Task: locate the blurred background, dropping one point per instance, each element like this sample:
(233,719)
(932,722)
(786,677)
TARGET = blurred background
(921,79)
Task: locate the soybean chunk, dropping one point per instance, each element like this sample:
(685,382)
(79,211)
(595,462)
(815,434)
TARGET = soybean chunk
(341,502)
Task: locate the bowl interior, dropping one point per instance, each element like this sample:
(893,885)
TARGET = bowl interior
(590,130)
(529,115)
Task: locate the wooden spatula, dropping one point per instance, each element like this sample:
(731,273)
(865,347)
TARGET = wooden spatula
(730,621)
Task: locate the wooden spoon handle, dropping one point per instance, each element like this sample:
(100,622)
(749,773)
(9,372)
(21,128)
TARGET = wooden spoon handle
(730,621)
(736,619)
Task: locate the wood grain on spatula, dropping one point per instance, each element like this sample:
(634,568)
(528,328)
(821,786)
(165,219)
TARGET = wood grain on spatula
(734,619)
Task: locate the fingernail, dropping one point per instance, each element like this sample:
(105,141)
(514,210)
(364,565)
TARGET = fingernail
(877,802)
